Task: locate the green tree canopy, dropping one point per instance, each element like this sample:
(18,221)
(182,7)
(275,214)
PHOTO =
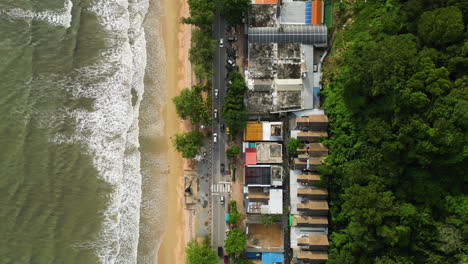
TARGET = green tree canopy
(201,53)
(233,10)
(235,242)
(441,26)
(270,219)
(232,151)
(241,260)
(397,105)
(293,145)
(190,104)
(234,215)
(188,143)
(197,253)
(201,14)
(234,111)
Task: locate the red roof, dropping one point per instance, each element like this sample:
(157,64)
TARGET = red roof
(250,156)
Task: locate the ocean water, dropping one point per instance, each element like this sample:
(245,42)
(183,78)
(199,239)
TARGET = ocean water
(72,116)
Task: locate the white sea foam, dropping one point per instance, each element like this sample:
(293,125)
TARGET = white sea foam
(61,17)
(110,132)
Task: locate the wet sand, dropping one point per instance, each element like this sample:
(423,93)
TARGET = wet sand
(176,38)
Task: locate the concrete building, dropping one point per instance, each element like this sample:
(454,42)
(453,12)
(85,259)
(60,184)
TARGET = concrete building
(283,72)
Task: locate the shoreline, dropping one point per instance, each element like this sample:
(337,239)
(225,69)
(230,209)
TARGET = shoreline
(176,41)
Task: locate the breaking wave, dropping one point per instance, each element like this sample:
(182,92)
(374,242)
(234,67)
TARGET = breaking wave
(110,131)
(60,17)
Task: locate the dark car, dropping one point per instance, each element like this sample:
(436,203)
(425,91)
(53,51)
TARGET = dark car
(232,38)
(226,258)
(222,168)
(221,128)
(220,252)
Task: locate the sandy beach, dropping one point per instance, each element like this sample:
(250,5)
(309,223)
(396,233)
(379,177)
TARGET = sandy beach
(176,38)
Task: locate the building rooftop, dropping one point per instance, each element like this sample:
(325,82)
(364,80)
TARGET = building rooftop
(263,15)
(311,136)
(312,119)
(276,175)
(299,220)
(265,201)
(268,152)
(288,33)
(309,178)
(287,100)
(289,71)
(263,131)
(315,193)
(275,204)
(253,131)
(258,175)
(262,85)
(250,156)
(311,255)
(261,60)
(259,102)
(289,51)
(317,12)
(314,150)
(312,123)
(293,13)
(258,193)
(264,238)
(272,258)
(313,205)
(314,241)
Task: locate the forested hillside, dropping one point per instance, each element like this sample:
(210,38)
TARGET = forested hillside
(396,91)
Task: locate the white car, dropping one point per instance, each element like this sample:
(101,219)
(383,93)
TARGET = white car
(221,42)
(216,93)
(215,114)
(215,137)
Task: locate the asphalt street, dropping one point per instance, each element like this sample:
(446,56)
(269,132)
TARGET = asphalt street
(219,182)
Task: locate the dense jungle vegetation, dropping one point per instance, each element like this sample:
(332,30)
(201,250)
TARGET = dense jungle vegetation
(396,91)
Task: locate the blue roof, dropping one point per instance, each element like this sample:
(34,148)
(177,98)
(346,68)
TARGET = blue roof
(270,258)
(308,7)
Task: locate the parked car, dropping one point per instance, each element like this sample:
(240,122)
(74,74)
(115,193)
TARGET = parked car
(221,201)
(221,128)
(215,114)
(215,137)
(227,131)
(216,93)
(221,43)
(220,252)
(315,68)
(222,168)
(231,62)
(226,258)
(232,39)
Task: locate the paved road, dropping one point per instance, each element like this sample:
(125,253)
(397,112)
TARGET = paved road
(218,154)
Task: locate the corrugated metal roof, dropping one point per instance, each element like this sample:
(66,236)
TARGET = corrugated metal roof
(306,34)
(253,131)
